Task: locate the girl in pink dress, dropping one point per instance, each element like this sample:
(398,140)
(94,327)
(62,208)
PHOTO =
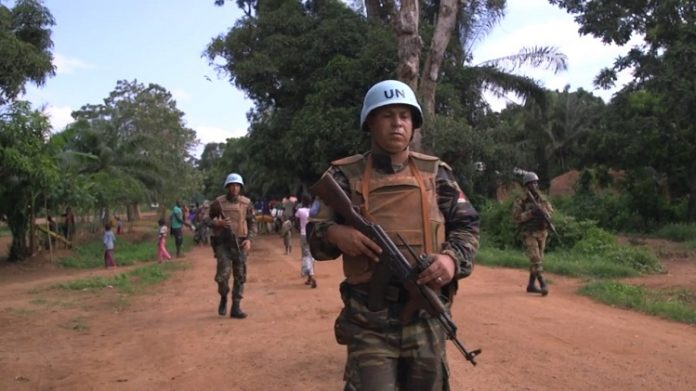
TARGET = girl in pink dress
(162,253)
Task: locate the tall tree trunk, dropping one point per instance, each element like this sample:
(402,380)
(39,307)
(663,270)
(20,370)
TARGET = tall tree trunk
(444,27)
(133,212)
(409,41)
(17,222)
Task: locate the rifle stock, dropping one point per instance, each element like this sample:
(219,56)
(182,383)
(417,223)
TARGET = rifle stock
(420,296)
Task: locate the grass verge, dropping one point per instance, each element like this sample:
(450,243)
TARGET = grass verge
(91,255)
(566,263)
(678,232)
(603,263)
(130,282)
(675,304)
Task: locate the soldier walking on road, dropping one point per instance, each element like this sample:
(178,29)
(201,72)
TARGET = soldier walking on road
(413,195)
(531,212)
(233,222)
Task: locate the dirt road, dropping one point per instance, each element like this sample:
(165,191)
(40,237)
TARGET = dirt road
(172,338)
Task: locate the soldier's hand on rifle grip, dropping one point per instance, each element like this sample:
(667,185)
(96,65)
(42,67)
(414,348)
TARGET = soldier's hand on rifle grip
(439,273)
(352,242)
(222,223)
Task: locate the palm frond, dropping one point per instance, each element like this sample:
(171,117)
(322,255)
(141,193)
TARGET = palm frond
(547,57)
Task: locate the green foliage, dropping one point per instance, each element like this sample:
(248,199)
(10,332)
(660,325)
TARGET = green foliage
(4,229)
(679,232)
(635,204)
(306,106)
(91,255)
(502,231)
(490,256)
(598,243)
(563,262)
(27,169)
(651,119)
(113,154)
(129,282)
(678,305)
(25,47)
(584,249)
(496,222)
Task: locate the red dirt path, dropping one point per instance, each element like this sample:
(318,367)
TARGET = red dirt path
(172,338)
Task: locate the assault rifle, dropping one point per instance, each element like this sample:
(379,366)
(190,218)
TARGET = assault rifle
(225,236)
(544,215)
(420,296)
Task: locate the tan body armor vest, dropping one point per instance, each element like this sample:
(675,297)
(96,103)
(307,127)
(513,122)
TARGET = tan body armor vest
(236,211)
(404,202)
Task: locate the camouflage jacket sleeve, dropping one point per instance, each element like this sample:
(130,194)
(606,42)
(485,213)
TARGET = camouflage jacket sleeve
(461,222)
(316,230)
(251,221)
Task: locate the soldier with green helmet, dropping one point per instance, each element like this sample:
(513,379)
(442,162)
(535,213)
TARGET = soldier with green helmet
(233,224)
(417,197)
(531,211)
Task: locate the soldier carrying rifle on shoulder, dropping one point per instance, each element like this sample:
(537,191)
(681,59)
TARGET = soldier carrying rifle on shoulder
(532,212)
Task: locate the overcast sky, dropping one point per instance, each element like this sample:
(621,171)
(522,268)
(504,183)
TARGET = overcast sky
(98,43)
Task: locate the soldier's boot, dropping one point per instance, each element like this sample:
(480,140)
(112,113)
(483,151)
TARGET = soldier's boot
(222,308)
(543,289)
(237,310)
(531,286)
(313,282)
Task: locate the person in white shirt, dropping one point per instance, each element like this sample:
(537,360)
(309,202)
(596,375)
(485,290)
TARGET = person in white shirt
(302,216)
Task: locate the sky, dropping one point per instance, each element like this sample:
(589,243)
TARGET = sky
(97,43)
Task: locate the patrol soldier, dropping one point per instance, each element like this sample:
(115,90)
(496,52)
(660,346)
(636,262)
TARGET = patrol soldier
(528,212)
(233,222)
(414,195)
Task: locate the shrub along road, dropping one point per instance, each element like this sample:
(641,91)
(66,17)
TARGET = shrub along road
(170,336)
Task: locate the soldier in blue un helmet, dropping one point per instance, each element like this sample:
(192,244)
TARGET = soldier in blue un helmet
(407,193)
(233,223)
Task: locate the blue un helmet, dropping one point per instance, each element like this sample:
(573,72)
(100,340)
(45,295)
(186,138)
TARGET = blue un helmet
(391,92)
(234,178)
(529,177)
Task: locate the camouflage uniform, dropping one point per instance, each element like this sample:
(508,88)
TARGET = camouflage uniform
(384,354)
(533,229)
(231,260)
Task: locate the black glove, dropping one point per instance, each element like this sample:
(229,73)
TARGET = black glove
(537,212)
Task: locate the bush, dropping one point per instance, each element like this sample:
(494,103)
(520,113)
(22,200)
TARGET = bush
(496,221)
(502,232)
(678,232)
(633,205)
(600,243)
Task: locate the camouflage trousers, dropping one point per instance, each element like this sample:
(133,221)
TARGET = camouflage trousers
(535,243)
(230,261)
(385,355)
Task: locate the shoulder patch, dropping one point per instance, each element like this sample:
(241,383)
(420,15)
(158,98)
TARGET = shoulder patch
(423,156)
(347,160)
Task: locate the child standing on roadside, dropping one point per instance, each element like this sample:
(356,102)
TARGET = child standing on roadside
(162,253)
(109,241)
